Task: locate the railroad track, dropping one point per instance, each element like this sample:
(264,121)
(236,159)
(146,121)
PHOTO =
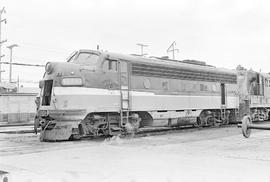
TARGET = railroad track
(17,129)
(153,131)
(17,144)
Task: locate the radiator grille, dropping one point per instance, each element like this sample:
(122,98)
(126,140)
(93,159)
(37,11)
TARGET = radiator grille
(47,92)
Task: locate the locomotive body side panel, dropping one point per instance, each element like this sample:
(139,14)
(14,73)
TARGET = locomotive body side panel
(103,100)
(176,88)
(183,102)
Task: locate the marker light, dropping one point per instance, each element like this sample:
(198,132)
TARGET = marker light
(49,68)
(72,81)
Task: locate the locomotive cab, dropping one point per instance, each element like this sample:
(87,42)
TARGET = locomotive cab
(254,93)
(259,96)
(55,111)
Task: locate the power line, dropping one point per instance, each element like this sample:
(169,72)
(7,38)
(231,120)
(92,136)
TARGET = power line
(24,64)
(23,81)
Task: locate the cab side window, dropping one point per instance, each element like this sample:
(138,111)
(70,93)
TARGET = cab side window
(110,65)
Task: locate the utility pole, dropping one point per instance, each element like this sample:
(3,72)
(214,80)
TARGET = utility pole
(172,49)
(10,61)
(1,42)
(142,46)
(18,83)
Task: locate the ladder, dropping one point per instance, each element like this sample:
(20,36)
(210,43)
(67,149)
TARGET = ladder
(124,83)
(223,102)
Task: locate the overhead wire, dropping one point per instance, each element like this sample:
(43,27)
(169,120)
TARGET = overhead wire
(23,64)
(42,48)
(25,45)
(21,81)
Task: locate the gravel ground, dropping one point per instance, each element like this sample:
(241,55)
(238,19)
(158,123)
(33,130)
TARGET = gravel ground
(214,154)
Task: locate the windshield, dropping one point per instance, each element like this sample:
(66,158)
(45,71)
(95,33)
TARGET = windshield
(71,56)
(85,58)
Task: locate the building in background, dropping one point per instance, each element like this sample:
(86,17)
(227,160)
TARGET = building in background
(17,103)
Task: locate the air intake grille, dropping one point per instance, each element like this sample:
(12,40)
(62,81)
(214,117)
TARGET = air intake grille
(182,73)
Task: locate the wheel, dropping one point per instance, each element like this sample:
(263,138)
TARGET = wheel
(245,130)
(199,123)
(74,137)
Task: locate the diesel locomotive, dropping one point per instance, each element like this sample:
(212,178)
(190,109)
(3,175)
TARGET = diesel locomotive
(99,93)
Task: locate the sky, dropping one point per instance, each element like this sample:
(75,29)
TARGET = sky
(223,33)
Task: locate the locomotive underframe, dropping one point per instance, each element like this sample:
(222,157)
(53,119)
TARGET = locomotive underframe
(108,123)
(260,113)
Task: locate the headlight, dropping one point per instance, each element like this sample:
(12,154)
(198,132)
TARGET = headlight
(72,81)
(49,68)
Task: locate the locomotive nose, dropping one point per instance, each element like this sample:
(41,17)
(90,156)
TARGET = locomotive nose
(58,69)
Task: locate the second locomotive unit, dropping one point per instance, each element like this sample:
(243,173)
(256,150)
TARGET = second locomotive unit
(100,93)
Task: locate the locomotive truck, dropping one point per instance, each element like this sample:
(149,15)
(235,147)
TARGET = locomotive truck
(98,93)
